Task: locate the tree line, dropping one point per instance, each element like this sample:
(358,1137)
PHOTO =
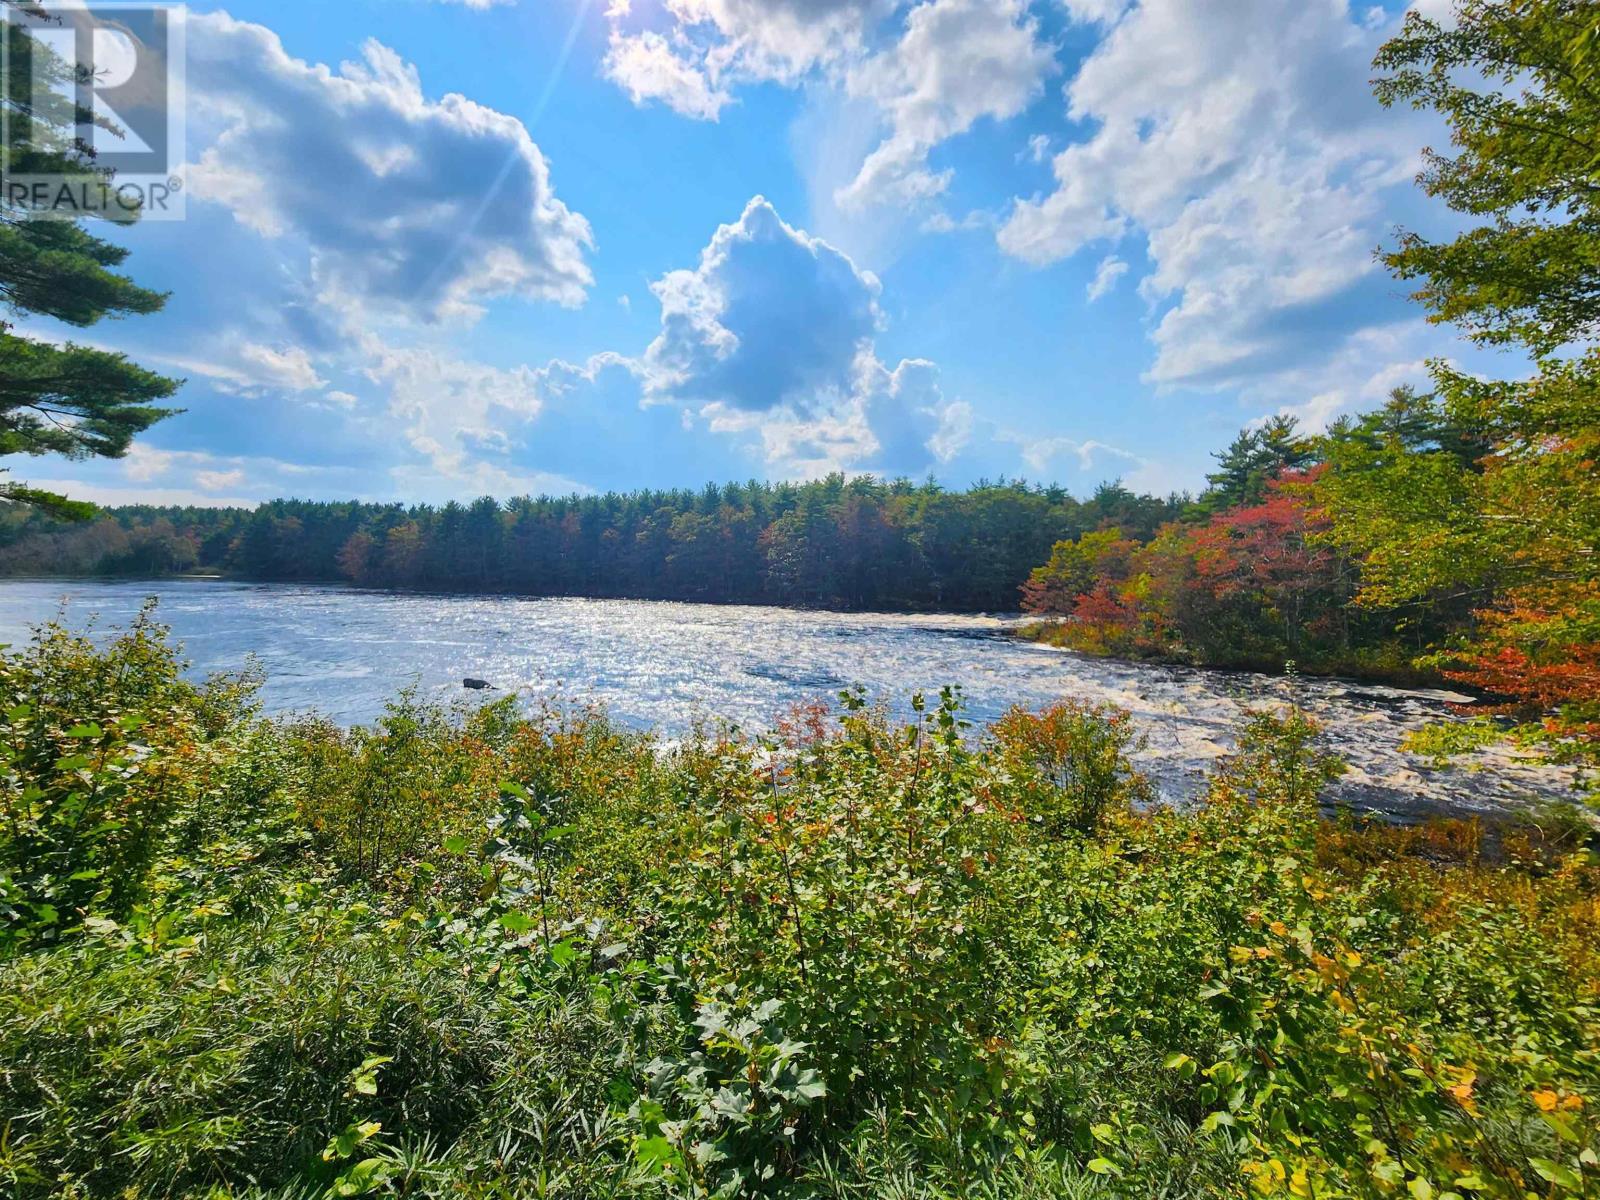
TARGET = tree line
(856,543)
(1254,573)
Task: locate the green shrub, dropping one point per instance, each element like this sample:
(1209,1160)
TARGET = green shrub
(102,754)
(501,955)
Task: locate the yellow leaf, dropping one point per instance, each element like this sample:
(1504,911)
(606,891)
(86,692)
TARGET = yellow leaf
(1545,1099)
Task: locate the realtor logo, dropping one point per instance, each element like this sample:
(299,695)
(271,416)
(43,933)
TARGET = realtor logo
(91,110)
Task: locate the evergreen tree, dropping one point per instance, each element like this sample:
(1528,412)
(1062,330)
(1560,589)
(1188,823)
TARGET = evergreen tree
(1253,460)
(61,399)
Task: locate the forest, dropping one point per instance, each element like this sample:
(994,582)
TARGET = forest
(858,543)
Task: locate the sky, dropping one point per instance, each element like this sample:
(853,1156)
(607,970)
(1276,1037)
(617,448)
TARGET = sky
(437,249)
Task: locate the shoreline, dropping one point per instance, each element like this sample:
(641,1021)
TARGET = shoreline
(1036,632)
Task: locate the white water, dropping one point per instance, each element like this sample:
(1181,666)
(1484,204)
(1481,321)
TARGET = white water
(663,665)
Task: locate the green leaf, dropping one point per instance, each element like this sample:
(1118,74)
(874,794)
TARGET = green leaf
(1556,1173)
(1103,1166)
(91,730)
(655,1152)
(517,922)
(362,1178)
(343,1144)
(1563,1124)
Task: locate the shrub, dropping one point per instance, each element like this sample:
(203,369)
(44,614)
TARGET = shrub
(103,753)
(501,955)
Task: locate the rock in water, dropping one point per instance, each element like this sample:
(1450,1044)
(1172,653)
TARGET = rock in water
(476,685)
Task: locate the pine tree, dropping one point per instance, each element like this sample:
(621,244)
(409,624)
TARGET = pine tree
(61,399)
(1253,460)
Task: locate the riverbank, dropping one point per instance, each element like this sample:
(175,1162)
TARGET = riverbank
(451,954)
(1388,667)
(669,667)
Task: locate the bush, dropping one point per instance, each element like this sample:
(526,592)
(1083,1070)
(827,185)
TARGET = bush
(496,955)
(103,754)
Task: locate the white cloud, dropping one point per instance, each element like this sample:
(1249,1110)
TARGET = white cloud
(769,317)
(186,477)
(143,463)
(1095,12)
(649,67)
(766,345)
(404,205)
(1243,141)
(958,61)
(113,495)
(948,65)
(1359,375)
(448,406)
(1041,452)
(283,366)
(1110,270)
(216,481)
(772,337)
(710,46)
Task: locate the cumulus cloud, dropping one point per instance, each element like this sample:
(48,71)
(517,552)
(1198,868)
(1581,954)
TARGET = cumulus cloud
(343,213)
(769,317)
(418,207)
(765,351)
(958,62)
(1241,139)
(772,337)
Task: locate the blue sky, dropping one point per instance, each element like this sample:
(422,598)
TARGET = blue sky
(441,248)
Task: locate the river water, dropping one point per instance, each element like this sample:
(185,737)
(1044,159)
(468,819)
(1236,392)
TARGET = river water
(661,666)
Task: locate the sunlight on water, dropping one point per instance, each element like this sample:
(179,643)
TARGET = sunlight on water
(662,665)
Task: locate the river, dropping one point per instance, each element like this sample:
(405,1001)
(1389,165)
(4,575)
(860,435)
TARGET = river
(662,666)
